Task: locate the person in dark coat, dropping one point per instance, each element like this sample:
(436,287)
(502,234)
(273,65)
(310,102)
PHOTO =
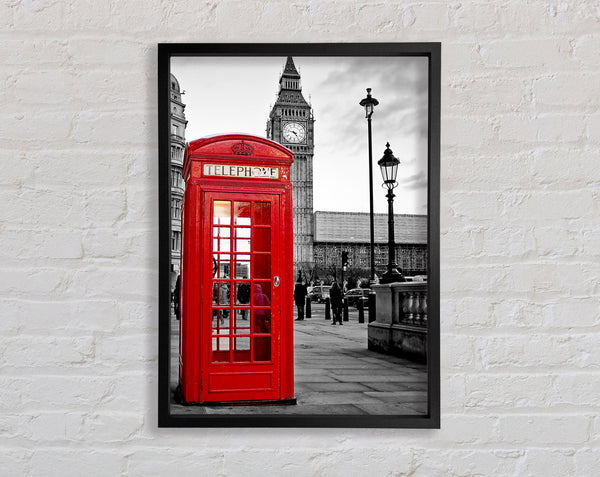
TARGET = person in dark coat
(176,296)
(336,296)
(300,293)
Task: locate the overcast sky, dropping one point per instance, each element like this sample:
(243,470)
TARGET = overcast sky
(235,94)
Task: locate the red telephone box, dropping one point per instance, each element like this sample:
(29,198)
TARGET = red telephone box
(236,326)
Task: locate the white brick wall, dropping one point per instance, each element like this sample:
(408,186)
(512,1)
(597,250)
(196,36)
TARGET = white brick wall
(520,240)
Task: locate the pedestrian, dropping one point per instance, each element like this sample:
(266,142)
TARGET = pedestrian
(300,293)
(335,295)
(176,297)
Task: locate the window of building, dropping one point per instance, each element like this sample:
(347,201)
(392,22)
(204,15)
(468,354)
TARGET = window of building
(176,206)
(175,241)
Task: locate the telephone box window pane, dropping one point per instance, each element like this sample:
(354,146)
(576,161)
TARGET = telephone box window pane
(221,266)
(242,268)
(241,213)
(221,232)
(262,266)
(221,294)
(220,322)
(242,232)
(261,321)
(262,348)
(241,349)
(242,293)
(221,245)
(220,349)
(262,213)
(242,322)
(262,240)
(222,212)
(242,245)
(261,294)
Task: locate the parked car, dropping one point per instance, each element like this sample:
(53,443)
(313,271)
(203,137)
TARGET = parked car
(319,293)
(358,294)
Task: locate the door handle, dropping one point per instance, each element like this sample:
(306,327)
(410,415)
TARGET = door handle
(276,282)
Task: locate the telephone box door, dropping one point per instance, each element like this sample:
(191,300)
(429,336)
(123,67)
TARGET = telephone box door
(241,318)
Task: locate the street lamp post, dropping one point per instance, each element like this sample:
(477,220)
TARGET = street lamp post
(389,170)
(369,104)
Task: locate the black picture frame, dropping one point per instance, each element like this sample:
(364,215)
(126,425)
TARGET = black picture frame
(432,51)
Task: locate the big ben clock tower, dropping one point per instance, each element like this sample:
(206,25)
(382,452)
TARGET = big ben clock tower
(291,124)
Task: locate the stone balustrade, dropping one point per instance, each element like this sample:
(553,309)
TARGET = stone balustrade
(400,325)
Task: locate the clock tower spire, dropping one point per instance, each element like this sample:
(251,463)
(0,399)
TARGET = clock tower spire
(291,123)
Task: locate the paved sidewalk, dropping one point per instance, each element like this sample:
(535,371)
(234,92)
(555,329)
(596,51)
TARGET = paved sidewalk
(335,373)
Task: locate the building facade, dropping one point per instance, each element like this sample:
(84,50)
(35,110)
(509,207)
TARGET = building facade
(350,231)
(291,123)
(177,124)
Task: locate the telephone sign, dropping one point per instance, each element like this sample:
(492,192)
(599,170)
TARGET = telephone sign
(236,337)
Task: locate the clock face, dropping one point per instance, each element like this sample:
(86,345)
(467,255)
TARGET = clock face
(294,132)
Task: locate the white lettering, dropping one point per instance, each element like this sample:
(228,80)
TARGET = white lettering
(253,172)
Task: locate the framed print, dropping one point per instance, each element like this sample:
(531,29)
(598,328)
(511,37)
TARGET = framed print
(299,235)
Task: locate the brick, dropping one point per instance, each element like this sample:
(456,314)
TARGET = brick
(42,207)
(522,53)
(30,282)
(39,87)
(125,351)
(66,167)
(61,317)
(302,461)
(586,50)
(472,462)
(72,392)
(508,391)
(472,312)
(107,282)
(548,462)
(517,314)
(109,243)
(458,352)
(548,165)
(593,132)
(47,51)
(572,313)
(22,127)
(466,132)
(39,16)
(539,207)
(461,429)
(114,128)
(581,89)
(500,93)
(453,392)
(587,461)
(510,241)
(47,352)
(579,389)
(105,207)
(537,351)
(104,427)
(542,429)
(429,17)
(59,462)
(15,461)
(154,461)
(104,52)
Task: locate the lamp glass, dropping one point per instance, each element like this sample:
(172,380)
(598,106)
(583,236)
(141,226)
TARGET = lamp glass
(389,172)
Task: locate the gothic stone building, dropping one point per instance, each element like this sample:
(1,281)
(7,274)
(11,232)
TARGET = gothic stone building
(291,123)
(178,124)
